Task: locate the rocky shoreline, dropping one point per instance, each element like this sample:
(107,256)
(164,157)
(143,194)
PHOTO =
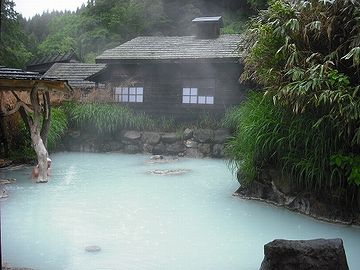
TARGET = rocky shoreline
(272,190)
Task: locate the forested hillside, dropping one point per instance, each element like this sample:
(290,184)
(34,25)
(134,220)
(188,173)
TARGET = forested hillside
(103,24)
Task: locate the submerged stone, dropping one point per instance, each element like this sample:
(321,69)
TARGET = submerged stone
(92,249)
(3,194)
(161,159)
(157,157)
(169,172)
(6,181)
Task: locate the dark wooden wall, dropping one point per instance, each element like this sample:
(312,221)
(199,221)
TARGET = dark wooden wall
(163,85)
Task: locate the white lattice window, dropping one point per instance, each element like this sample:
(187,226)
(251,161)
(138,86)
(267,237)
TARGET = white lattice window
(191,96)
(129,94)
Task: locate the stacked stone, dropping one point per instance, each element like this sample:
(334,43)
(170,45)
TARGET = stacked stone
(197,143)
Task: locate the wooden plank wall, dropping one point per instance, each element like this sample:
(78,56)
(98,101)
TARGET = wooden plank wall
(163,85)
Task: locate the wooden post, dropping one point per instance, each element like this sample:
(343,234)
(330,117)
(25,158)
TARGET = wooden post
(3,130)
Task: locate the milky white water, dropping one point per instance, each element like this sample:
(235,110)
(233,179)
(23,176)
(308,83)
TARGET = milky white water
(144,221)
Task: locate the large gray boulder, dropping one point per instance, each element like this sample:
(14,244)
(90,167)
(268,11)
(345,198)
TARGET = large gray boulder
(191,144)
(132,136)
(147,148)
(193,153)
(324,254)
(203,135)
(132,149)
(205,148)
(218,151)
(175,148)
(159,149)
(170,137)
(221,135)
(151,138)
(188,133)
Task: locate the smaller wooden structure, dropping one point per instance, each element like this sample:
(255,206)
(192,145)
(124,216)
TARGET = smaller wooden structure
(36,113)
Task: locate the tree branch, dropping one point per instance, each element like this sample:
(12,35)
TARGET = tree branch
(46,118)
(24,113)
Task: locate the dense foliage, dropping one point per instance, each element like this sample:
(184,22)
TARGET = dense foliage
(306,55)
(14,43)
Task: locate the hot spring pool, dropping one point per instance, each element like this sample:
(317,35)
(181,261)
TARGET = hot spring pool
(145,221)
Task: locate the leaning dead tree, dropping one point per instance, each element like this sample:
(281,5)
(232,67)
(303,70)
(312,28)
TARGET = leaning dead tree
(37,114)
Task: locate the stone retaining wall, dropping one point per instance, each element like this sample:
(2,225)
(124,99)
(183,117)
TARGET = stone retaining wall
(196,143)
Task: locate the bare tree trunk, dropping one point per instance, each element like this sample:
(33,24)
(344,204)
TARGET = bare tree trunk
(35,131)
(41,154)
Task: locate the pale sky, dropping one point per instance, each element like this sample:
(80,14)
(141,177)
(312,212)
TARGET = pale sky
(29,8)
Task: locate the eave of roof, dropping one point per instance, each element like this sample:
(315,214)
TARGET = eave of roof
(12,79)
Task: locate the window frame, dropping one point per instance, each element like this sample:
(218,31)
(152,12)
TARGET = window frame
(198,92)
(129,94)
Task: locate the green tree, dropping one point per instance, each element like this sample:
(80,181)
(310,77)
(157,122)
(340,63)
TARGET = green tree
(13,41)
(63,35)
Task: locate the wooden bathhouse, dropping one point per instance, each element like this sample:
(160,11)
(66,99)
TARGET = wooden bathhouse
(176,76)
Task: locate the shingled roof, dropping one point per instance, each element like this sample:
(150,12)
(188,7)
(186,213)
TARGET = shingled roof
(186,48)
(75,73)
(20,80)
(19,74)
(54,58)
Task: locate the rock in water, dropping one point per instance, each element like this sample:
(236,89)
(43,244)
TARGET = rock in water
(6,181)
(92,249)
(3,194)
(157,157)
(169,172)
(324,254)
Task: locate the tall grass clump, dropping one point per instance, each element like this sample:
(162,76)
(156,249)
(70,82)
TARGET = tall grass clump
(58,127)
(266,135)
(254,123)
(107,118)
